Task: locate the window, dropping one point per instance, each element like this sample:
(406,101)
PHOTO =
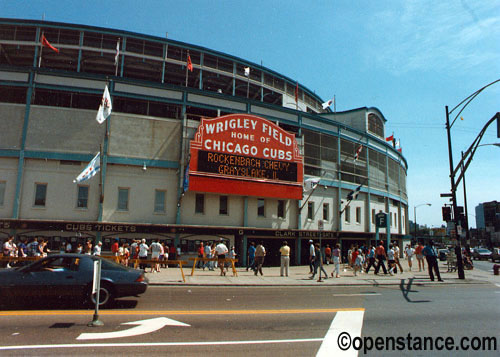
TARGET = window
(358,214)
(261,207)
(373,216)
(2,192)
(123,199)
(326,211)
(83,197)
(281,209)
(199,204)
(223,205)
(347,213)
(40,194)
(310,210)
(160,196)
(375,125)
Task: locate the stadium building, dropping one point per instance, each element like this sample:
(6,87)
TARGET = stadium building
(200,145)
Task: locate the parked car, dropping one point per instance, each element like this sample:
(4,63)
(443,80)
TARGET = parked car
(481,253)
(495,255)
(70,276)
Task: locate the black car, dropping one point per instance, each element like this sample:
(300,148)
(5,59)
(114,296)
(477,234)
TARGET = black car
(71,276)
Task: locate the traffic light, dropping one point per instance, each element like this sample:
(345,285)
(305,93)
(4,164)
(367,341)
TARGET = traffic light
(446,213)
(460,215)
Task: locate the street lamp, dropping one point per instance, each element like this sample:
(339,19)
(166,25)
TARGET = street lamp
(415,216)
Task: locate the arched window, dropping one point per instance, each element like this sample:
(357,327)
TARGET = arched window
(375,125)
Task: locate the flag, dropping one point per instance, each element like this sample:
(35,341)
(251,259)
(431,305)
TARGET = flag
(47,44)
(390,138)
(310,183)
(91,170)
(327,104)
(117,52)
(353,194)
(397,143)
(247,71)
(400,150)
(189,63)
(297,93)
(105,108)
(358,151)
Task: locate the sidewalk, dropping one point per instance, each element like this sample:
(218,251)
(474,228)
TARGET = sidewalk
(299,276)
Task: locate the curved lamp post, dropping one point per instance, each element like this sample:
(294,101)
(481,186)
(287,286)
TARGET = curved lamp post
(415,216)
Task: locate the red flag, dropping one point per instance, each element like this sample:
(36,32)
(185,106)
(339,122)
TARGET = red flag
(358,151)
(297,93)
(47,44)
(189,63)
(400,150)
(390,138)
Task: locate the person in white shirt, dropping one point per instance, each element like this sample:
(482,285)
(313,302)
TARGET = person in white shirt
(390,260)
(155,255)
(409,251)
(221,251)
(97,249)
(396,256)
(143,253)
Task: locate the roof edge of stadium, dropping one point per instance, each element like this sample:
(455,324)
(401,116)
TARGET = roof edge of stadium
(366,109)
(117,32)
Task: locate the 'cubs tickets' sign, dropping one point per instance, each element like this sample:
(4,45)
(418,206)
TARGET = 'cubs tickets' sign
(245,155)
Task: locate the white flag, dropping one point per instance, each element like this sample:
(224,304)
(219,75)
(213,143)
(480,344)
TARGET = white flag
(105,108)
(327,104)
(311,183)
(117,51)
(91,170)
(247,71)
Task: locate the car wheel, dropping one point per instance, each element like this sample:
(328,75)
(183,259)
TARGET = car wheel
(106,296)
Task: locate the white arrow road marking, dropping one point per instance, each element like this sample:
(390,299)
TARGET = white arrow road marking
(145,326)
(345,323)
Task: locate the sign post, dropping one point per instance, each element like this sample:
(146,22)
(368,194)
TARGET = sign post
(380,222)
(96,287)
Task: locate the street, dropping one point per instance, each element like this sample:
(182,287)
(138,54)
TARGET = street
(257,320)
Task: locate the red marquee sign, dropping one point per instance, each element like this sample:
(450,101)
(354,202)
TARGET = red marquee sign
(246,155)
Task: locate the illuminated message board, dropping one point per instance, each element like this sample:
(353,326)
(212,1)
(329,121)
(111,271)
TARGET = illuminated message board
(246,155)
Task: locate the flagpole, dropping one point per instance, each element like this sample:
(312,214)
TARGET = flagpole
(117,57)
(41,50)
(187,68)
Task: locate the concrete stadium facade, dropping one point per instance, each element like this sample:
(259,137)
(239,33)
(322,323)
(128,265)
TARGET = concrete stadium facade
(48,134)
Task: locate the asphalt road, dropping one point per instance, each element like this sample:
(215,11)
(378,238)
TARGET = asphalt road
(264,321)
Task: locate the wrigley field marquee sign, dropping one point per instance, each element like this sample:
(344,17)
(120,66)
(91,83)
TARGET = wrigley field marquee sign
(245,155)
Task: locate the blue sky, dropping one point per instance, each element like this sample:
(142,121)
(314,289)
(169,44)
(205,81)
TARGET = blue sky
(407,58)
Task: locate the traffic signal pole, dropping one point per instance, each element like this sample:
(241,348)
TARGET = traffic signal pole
(458,247)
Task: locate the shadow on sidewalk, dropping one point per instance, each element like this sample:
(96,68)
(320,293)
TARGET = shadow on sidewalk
(406,290)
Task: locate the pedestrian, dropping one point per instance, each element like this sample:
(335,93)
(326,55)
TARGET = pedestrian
(409,252)
(358,261)
(88,247)
(22,248)
(431,256)
(69,247)
(201,255)
(336,260)
(143,253)
(8,249)
(312,254)
(328,254)
(395,246)
(33,250)
(251,256)
(381,256)
(172,253)
(208,255)
(221,251)
(79,248)
(420,256)
(97,249)
(284,259)
(163,255)
(349,256)
(371,258)
(155,249)
(260,253)
(126,254)
(115,248)
(391,262)
(318,263)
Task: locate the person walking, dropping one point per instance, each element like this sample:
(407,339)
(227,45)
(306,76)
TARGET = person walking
(201,254)
(251,256)
(221,251)
(409,252)
(312,256)
(420,256)
(143,253)
(358,261)
(395,246)
(260,253)
(381,256)
(391,263)
(208,255)
(318,263)
(371,258)
(336,260)
(328,254)
(155,255)
(285,258)
(431,256)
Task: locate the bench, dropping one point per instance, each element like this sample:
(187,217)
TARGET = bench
(224,261)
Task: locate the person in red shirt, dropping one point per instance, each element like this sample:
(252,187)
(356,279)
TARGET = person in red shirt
(115,248)
(328,254)
(381,256)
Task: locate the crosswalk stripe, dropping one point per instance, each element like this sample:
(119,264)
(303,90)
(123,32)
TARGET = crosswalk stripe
(345,327)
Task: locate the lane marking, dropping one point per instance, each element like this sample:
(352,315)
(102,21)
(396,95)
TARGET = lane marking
(174,312)
(498,285)
(359,294)
(144,326)
(155,344)
(345,322)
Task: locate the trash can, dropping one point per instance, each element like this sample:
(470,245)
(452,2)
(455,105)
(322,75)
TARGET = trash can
(496,268)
